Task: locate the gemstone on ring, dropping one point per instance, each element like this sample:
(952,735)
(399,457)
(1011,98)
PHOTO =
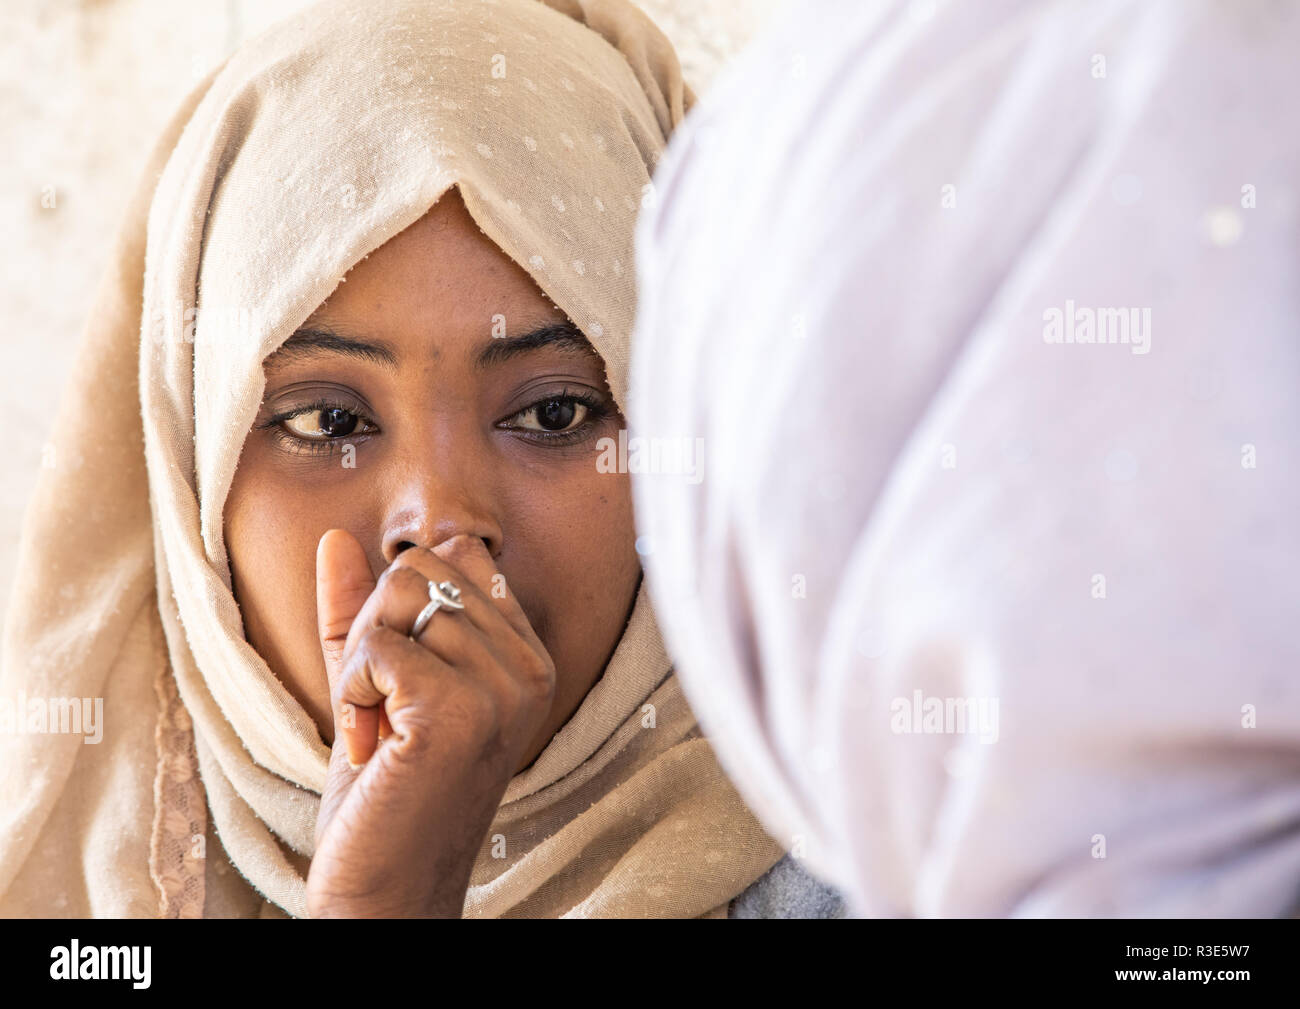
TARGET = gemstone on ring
(448,593)
(441,594)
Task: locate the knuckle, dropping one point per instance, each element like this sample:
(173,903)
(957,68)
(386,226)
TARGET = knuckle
(466,713)
(370,657)
(369,644)
(397,576)
(532,687)
(537,673)
(354,662)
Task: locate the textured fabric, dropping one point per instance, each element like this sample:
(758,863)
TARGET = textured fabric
(917,491)
(788,890)
(312,146)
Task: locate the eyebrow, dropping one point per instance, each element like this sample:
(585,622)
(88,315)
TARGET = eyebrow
(318,338)
(564,336)
(309,341)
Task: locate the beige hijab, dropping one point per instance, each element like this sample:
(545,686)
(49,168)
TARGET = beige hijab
(312,146)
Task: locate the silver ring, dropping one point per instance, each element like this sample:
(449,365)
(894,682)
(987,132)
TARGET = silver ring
(441,594)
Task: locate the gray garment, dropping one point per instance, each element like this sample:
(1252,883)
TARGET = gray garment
(788,890)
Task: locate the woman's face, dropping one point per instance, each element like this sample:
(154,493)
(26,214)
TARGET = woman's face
(437,391)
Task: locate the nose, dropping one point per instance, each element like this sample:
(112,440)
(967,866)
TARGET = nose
(434,504)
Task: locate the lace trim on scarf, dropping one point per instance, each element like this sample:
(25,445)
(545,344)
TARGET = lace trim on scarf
(178,840)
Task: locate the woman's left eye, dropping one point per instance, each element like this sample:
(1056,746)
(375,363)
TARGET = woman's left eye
(553,415)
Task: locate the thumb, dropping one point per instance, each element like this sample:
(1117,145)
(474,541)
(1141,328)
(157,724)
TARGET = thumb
(343,584)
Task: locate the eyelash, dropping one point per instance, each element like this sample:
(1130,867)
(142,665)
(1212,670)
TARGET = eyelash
(596,412)
(324,446)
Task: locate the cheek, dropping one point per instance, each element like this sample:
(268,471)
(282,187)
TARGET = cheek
(576,538)
(271,538)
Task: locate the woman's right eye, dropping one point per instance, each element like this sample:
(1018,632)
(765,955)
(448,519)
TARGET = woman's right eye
(324,424)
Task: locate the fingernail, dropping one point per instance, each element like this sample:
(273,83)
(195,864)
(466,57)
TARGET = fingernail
(355,767)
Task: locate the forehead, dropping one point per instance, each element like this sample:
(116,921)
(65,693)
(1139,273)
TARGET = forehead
(442,269)
(313,343)
(440,287)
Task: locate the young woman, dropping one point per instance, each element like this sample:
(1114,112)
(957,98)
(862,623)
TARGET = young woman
(325,530)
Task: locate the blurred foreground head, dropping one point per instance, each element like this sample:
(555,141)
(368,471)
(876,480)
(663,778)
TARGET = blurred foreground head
(984,316)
